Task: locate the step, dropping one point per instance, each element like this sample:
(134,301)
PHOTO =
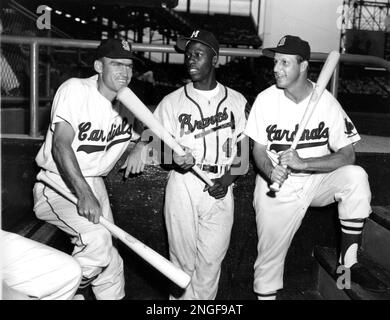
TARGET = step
(381,215)
(376,236)
(46,234)
(35,229)
(297,294)
(27,226)
(327,277)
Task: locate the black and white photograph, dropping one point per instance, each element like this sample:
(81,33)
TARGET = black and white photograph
(194,158)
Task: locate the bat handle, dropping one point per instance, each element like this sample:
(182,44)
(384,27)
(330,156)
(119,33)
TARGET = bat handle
(275,187)
(201,174)
(178,149)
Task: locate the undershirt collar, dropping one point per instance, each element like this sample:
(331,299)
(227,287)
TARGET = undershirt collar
(208,94)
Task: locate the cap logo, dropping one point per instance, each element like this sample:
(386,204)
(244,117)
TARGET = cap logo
(195,34)
(282,41)
(126,45)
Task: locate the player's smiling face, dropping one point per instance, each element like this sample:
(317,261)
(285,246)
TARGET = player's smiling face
(114,73)
(287,70)
(200,61)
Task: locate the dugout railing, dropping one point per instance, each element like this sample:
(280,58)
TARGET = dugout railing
(35,43)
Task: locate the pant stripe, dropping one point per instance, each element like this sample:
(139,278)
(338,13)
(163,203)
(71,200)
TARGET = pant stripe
(344,228)
(59,219)
(85,282)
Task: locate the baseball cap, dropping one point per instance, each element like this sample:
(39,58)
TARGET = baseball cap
(202,36)
(290,45)
(115,49)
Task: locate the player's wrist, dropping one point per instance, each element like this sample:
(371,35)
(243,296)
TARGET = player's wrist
(305,165)
(270,171)
(227,179)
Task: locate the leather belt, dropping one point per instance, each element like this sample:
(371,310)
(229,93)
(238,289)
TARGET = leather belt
(212,168)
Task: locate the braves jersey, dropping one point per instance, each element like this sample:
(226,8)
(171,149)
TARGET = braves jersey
(274,120)
(210,128)
(102,129)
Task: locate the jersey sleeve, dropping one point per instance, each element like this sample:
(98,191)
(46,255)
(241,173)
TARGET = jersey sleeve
(66,104)
(255,127)
(342,131)
(242,117)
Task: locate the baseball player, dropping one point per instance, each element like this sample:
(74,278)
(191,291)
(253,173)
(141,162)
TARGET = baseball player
(320,171)
(88,133)
(206,118)
(32,270)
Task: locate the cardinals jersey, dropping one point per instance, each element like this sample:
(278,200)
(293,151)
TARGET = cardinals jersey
(102,129)
(274,121)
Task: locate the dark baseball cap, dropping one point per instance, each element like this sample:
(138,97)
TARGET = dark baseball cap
(290,45)
(115,49)
(202,36)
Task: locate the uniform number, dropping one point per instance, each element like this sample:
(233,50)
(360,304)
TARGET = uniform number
(227,147)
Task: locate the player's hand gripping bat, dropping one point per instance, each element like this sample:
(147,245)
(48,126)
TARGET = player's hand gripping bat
(138,108)
(323,79)
(162,264)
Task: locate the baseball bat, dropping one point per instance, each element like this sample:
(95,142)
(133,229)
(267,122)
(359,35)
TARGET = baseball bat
(322,81)
(138,108)
(162,264)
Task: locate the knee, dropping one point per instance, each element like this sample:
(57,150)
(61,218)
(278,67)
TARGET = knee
(355,171)
(98,236)
(355,176)
(99,243)
(355,193)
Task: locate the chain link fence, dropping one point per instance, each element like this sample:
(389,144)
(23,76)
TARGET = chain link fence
(55,64)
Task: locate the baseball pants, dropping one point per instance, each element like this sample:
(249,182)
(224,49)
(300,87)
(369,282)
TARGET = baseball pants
(37,270)
(279,217)
(199,229)
(93,249)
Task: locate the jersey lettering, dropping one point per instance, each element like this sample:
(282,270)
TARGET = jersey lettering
(275,134)
(85,133)
(120,130)
(186,127)
(96,135)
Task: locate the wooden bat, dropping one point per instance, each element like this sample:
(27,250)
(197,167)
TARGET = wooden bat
(138,108)
(322,81)
(162,264)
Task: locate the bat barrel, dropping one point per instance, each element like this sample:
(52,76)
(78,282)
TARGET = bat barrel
(162,264)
